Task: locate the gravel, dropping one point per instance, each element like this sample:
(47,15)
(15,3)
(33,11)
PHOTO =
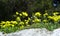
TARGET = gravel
(34,32)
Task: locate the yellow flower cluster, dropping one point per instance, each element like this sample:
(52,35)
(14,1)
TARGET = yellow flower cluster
(55,18)
(36,20)
(24,14)
(27,21)
(8,23)
(38,14)
(14,22)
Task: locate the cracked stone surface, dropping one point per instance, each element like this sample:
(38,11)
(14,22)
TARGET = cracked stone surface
(34,32)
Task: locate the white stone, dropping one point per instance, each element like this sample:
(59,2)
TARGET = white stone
(1,34)
(56,32)
(34,32)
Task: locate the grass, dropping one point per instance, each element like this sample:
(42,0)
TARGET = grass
(49,26)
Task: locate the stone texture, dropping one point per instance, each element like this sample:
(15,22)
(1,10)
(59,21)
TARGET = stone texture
(1,34)
(34,32)
(56,32)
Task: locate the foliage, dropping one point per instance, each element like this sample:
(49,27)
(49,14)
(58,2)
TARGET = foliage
(49,26)
(36,21)
(9,7)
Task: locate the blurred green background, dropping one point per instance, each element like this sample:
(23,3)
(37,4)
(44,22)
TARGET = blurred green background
(9,7)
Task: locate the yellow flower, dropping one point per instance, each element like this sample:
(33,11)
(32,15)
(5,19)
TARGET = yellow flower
(37,20)
(24,14)
(17,13)
(37,14)
(11,21)
(55,18)
(28,18)
(8,22)
(14,22)
(33,21)
(12,25)
(55,13)
(21,23)
(59,16)
(45,21)
(4,26)
(18,19)
(3,22)
(45,14)
(7,25)
(26,22)
(50,17)
(20,14)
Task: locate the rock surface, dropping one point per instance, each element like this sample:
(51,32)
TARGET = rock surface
(1,34)
(34,32)
(56,32)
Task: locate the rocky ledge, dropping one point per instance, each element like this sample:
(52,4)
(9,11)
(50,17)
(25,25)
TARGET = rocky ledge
(34,32)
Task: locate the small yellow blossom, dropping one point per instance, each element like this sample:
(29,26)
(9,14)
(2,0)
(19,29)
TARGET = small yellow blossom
(14,22)
(59,16)
(36,20)
(7,25)
(12,25)
(45,21)
(24,14)
(11,21)
(3,22)
(26,22)
(55,13)
(28,18)
(17,13)
(50,17)
(37,14)
(33,21)
(20,14)
(21,23)
(8,22)
(55,18)
(4,26)
(45,14)
(18,19)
